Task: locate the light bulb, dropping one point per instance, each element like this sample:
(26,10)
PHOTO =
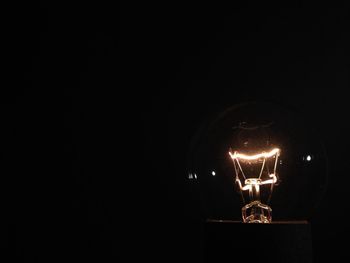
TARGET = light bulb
(256,158)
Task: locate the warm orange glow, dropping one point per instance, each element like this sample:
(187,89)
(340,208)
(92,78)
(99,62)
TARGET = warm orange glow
(237,155)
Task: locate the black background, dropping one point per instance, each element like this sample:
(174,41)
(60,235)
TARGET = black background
(99,173)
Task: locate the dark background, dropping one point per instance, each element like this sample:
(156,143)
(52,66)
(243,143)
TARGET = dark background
(137,81)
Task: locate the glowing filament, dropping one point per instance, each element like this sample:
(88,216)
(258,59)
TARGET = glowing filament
(237,155)
(249,183)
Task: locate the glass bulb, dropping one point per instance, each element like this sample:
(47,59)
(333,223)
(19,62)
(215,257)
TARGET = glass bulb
(266,153)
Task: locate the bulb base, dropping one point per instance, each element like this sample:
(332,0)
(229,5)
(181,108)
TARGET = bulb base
(280,242)
(256,212)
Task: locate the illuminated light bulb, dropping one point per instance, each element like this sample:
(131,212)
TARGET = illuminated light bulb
(266,153)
